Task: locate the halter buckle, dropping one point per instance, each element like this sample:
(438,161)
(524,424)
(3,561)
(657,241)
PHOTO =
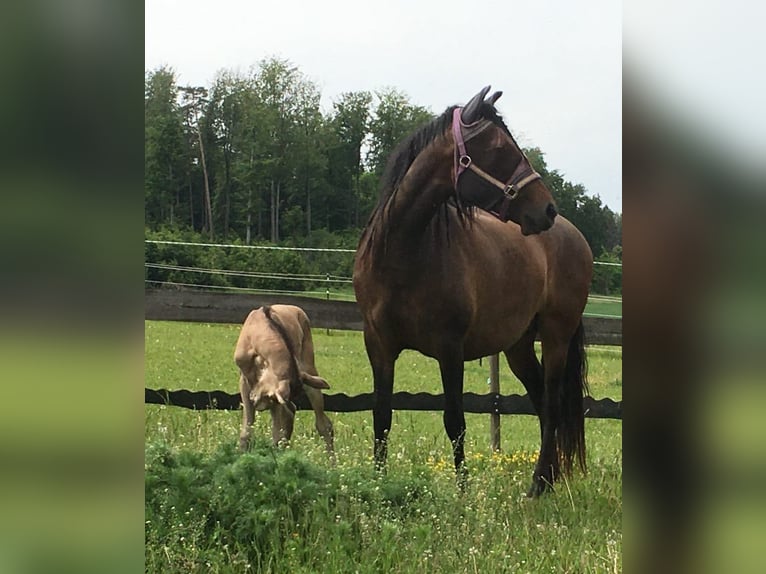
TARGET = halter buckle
(510,191)
(465,161)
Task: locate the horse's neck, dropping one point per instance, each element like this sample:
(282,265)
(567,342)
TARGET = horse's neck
(421,193)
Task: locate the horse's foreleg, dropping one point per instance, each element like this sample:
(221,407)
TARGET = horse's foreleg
(383,379)
(451,367)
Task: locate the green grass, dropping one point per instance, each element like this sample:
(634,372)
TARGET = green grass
(348,519)
(609,306)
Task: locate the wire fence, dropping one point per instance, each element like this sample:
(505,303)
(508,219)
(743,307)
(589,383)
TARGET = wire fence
(261,275)
(216,270)
(296,249)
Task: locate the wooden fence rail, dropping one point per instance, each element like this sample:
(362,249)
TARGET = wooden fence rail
(206,307)
(402,401)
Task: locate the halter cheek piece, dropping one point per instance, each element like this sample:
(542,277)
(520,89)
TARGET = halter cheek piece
(522,175)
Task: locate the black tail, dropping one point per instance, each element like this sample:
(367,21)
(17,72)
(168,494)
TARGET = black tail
(570,435)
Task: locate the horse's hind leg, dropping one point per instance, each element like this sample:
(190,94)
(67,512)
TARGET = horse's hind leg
(523,362)
(563,438)
(547,467)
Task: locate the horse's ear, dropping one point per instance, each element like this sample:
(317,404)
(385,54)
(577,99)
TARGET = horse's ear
(494,97)
(470,113)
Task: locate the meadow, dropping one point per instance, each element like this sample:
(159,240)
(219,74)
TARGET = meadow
(211,509)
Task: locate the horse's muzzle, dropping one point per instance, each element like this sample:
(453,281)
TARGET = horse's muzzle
(551,212)
(532,226)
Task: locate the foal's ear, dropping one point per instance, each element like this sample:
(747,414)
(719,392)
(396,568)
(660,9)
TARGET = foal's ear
(494,97)
(470,113)
(314,381)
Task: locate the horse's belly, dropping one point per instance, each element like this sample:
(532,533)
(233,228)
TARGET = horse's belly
(496,335)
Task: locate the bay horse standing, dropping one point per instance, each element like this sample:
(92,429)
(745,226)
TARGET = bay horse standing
(464,257)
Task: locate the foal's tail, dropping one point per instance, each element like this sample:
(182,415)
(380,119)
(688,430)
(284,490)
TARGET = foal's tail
(571,429)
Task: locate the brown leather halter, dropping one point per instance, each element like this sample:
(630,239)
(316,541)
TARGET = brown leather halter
(522,175)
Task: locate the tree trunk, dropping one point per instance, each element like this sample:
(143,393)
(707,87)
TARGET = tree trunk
(191,199)
(249,214)
(273,214)
(174,197)
(208,205)
(356,198)
(276,217)
(260,220)
(308,208)
(227,191)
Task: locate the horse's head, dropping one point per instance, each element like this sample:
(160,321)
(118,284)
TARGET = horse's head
(491,171)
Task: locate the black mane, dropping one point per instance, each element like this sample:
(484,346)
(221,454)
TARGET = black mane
(404,154)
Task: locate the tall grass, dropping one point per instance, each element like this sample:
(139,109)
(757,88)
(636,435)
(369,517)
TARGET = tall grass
(209,509)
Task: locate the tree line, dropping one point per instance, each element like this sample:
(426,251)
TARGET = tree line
(253,158)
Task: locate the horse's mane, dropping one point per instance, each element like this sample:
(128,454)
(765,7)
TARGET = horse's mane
(401,159)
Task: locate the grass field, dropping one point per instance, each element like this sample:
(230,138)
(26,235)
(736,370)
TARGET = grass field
(209,509)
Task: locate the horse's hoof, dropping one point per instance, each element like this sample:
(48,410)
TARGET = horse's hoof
(539,486)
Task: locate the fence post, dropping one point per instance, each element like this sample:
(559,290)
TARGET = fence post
(494,389)
(327,293)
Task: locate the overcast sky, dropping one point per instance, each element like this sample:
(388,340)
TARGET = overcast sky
(557,62)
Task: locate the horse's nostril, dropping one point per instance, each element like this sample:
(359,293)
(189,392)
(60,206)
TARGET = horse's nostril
(551,212)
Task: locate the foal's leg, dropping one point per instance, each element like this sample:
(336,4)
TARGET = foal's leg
(282,421)
(382,363)
(323,423)
(247,413)
(451,367)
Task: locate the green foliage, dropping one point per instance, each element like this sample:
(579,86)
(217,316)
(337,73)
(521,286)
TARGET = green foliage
(599,224)
(262,268)
(278,168)
(274,510)
(348,519)
(165,150)
(261,503)
(395,118)
(607,279)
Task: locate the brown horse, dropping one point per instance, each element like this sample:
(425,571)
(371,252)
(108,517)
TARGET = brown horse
(435,274)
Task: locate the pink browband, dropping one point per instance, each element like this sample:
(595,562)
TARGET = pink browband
(522,175)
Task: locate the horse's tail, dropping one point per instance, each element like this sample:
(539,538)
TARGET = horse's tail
(571,429)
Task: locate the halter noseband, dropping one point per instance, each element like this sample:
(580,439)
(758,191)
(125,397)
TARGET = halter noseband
(522,175)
